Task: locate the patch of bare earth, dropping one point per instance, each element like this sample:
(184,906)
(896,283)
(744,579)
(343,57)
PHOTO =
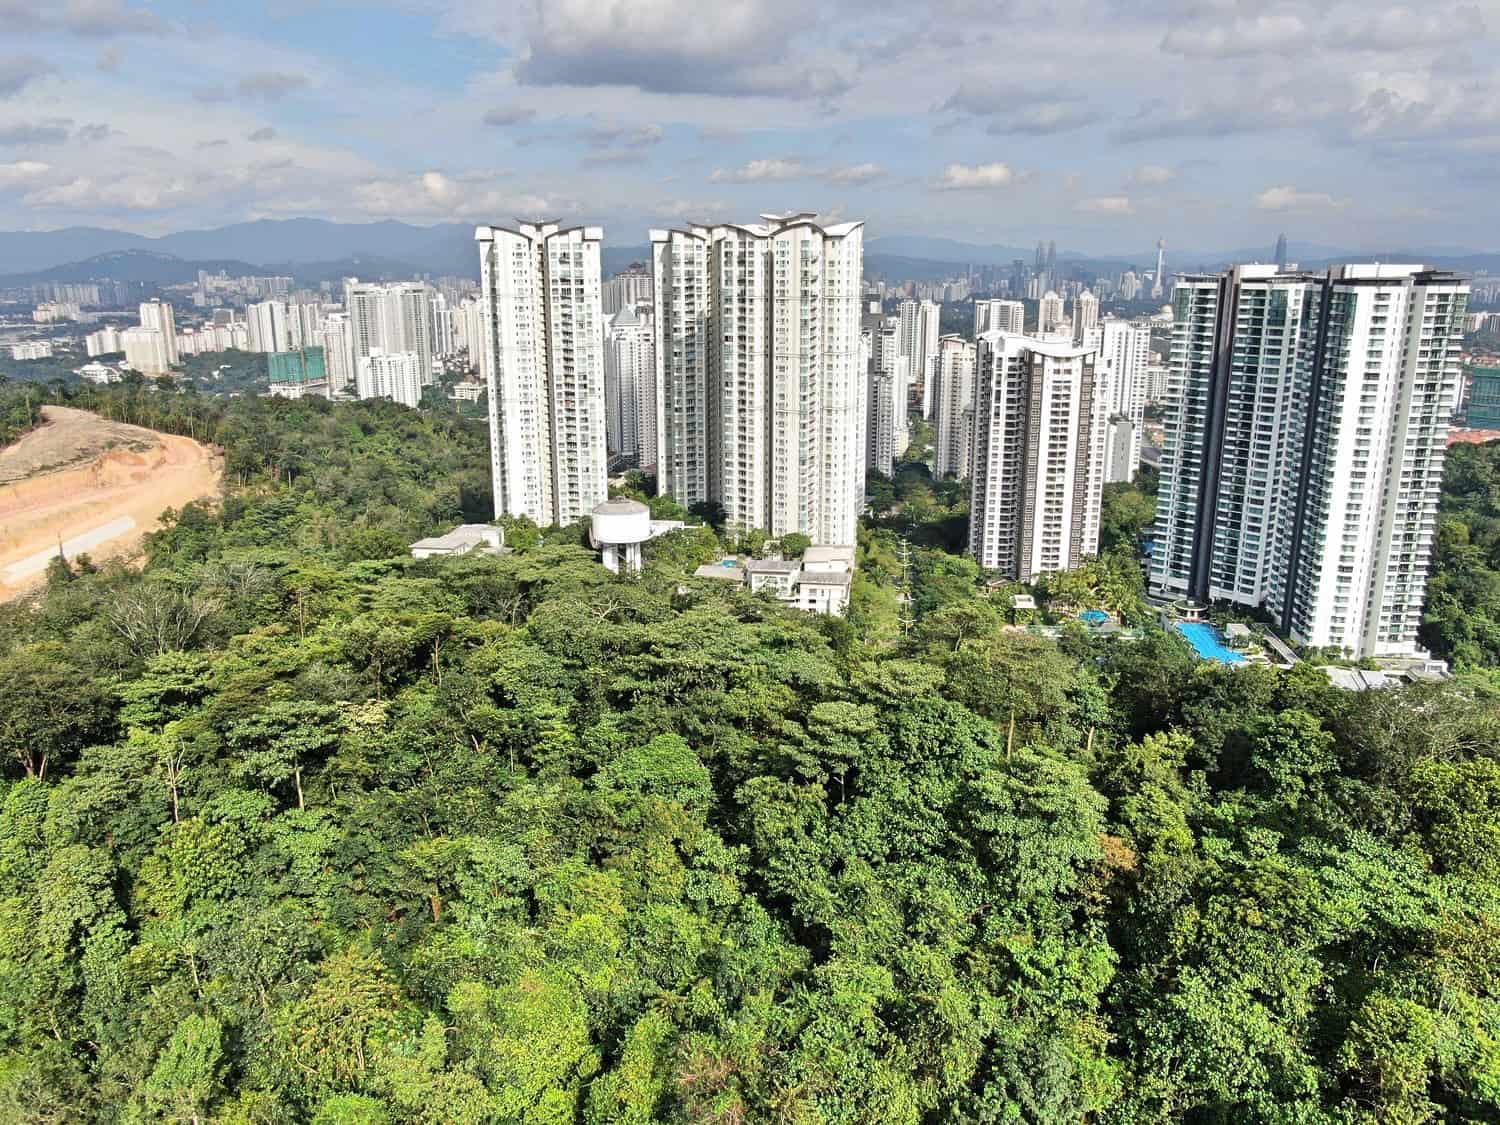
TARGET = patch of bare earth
(93,486)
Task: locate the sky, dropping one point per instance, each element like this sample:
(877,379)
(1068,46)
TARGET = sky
(1215,124)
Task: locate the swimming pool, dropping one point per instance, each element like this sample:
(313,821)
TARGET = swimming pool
(1206,643)
(1094,617)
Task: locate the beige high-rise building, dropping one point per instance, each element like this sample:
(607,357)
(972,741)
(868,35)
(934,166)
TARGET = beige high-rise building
(544,363)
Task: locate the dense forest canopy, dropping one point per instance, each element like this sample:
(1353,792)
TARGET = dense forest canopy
(296,828)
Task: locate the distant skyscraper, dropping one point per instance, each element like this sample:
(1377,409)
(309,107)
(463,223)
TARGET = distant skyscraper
(1085,315)
(157,316)
(267,324)
(1124,357)
(887,396)
(999,316)
(1304,446)
(395,375)
(146,350)
(1158,286)
(630,385)
(390,318)
(953,406)
(919,337)
(1049,314)
(444,338)
(1281,252)
(1039,436)
(761,374)
(544,344)
(630,287)
(337,353)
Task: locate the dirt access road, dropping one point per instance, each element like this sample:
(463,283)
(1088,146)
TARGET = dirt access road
(92,485)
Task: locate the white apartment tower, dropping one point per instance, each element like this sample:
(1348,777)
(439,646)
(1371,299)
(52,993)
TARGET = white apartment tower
(953,406)
(919,341)
(390,318)
(999,316)
(1304,446)
(337,352)
(156,315)
(631,287)
(1124,359)
(887,433)
(630,385)
(1085,315)
(146,350)
(393,375)
(267,322)
(544,361)
(1049,314)
(1037,478)
(760,373)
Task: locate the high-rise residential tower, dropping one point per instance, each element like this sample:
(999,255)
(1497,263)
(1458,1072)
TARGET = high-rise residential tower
(1049,314)
(953,406)
(390,318)
(1124,358)
(1304,446)
(629,287)
(630,385)
(1085,315)
(1039,436)
(887,396)
(919,337)
(156,315)
(999,316)
(544,361)
(268,326)
(760,372)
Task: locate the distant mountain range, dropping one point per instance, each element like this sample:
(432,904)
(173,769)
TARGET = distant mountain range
(317,249)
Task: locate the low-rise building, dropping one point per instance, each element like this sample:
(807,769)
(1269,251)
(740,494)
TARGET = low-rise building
(461,540)
(34,349)
(819,582)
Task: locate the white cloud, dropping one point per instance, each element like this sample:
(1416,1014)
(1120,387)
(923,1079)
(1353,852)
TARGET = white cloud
(21,171)
(729,47)
(1105,205)
(855,174)
(1257,34)
(964,177)
(1287,198)
(436,195)
(759,171)
(1152,175)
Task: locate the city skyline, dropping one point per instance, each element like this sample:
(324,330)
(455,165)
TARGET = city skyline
(1367,127)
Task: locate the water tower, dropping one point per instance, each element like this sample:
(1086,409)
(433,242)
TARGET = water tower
(617,528)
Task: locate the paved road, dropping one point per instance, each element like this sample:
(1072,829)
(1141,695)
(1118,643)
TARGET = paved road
(35,564)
